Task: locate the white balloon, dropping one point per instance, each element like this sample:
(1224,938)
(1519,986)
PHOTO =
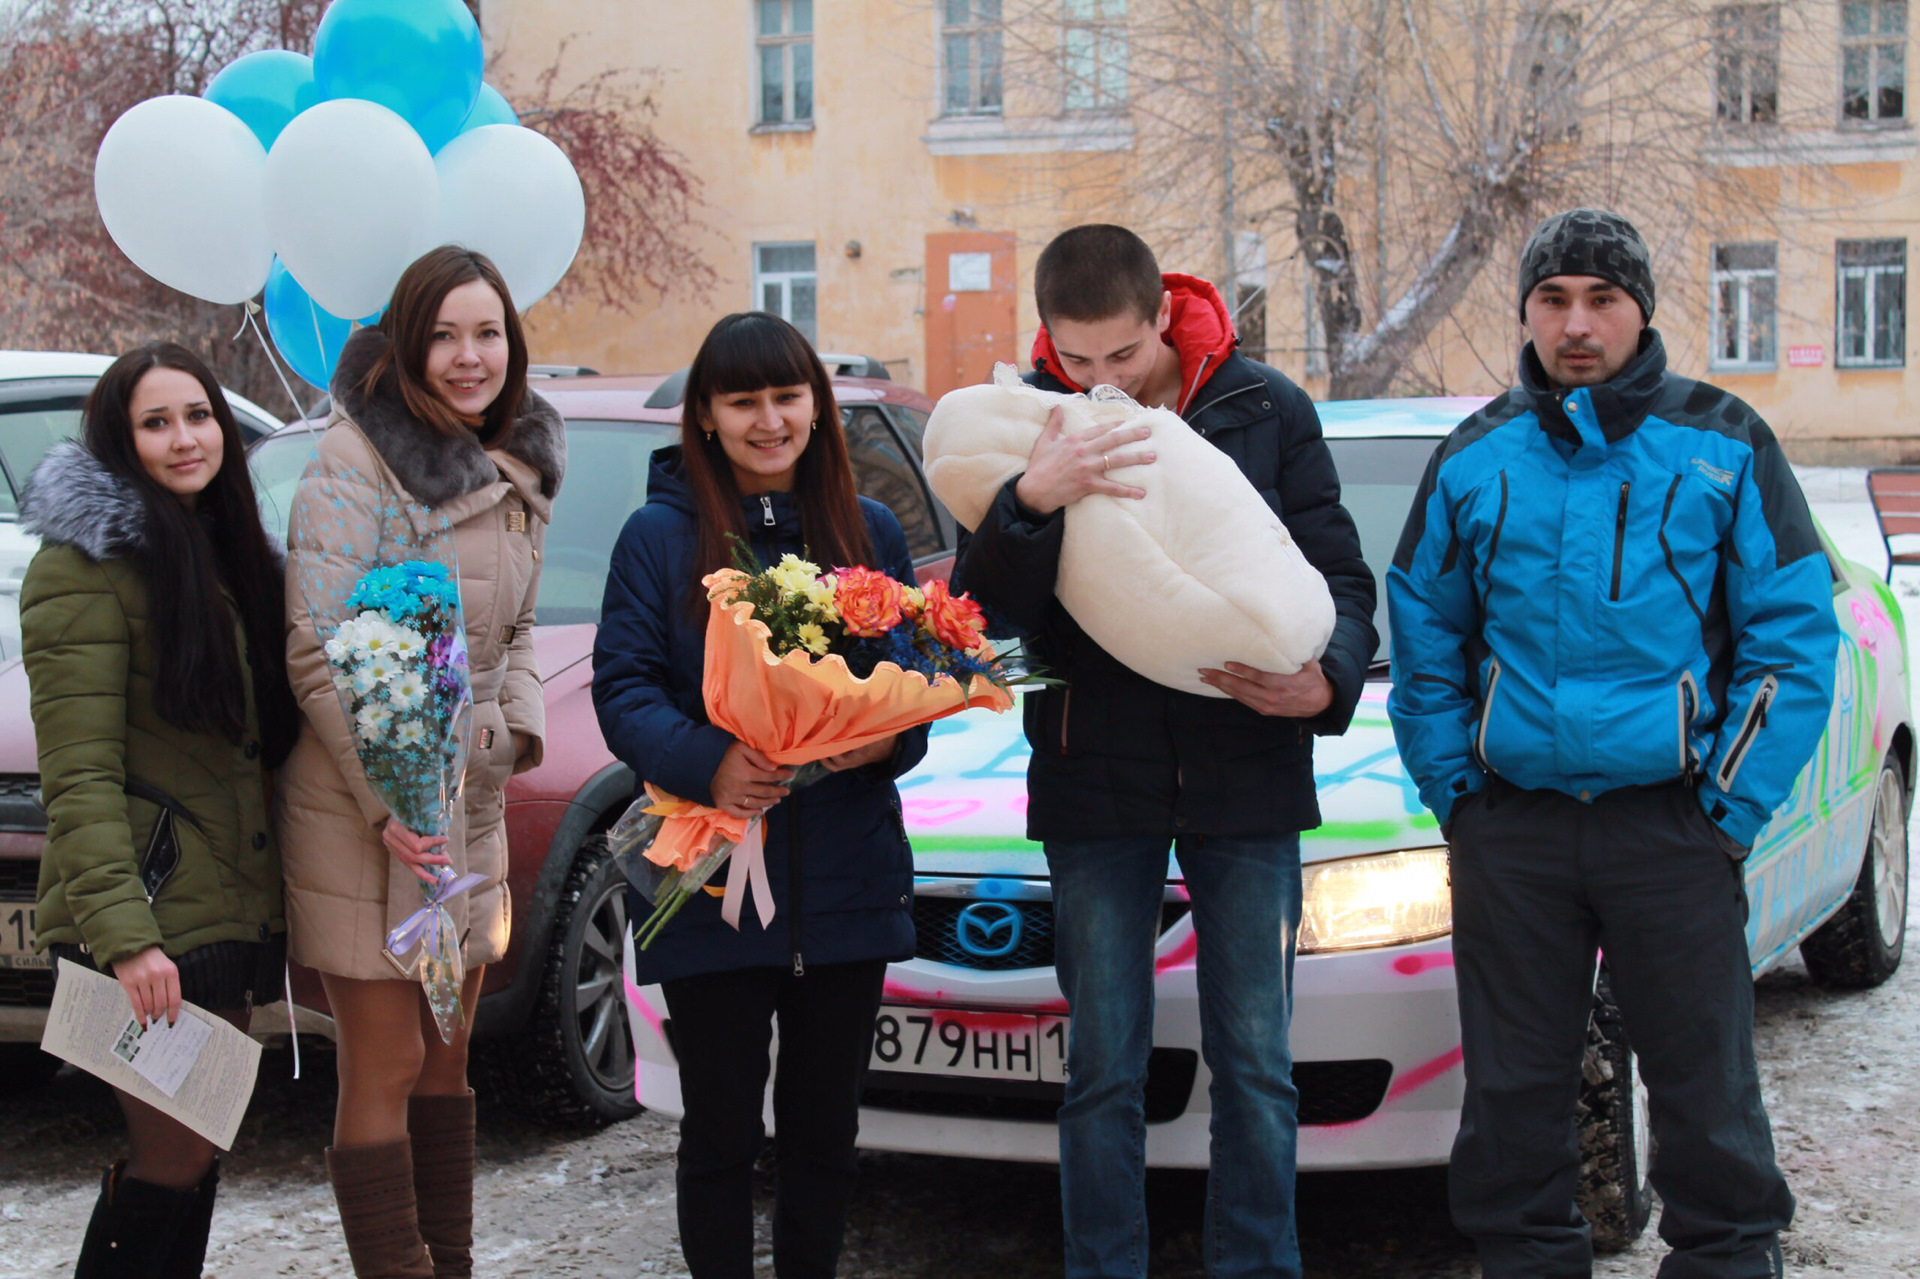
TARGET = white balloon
(352,200)
(180,182)
(513,195)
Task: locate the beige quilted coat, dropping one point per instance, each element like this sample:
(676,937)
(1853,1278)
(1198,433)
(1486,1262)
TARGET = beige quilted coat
(344,890)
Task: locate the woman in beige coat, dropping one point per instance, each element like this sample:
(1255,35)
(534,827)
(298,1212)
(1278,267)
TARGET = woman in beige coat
(430,411)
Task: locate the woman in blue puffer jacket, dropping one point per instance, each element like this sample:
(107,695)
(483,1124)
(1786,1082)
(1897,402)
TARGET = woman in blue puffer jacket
(762,458)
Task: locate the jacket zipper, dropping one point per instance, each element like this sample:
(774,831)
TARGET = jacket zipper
(1666,549)
(1210,405)
(766,510)
(1066,708)
(1619,540)
(1689,696)
(793,888)
(1486,712)
(1499,522)
(1199,379)
(1749,729)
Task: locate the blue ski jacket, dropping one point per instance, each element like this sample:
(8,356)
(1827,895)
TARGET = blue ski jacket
(1610,586)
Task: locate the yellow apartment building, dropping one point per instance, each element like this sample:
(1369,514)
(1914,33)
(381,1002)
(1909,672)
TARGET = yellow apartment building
(883,172)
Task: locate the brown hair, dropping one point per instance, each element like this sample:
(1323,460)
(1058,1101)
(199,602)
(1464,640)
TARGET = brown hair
(748,351)
(1096,272)
(408,325)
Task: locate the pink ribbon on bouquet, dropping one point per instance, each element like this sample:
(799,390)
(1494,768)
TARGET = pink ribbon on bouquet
(425,922)
(749,870)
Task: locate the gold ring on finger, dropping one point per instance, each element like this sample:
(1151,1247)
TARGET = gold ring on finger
(1106,464)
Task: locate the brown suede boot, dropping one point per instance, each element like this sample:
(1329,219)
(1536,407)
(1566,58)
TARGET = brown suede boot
(442,1132)
(374,1187)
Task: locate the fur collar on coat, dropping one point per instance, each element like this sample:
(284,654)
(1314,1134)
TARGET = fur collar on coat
(74,500)
(435,468)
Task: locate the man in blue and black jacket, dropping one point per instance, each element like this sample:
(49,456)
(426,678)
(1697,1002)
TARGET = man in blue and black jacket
(1613,649)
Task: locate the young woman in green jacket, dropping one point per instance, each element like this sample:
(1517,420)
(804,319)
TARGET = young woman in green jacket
(152,621)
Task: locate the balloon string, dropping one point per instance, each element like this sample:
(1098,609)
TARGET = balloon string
(299,409)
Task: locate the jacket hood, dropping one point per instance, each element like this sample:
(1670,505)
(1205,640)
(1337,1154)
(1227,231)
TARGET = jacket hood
(432,467)
(1620,404)
(1201,331)
(74,499)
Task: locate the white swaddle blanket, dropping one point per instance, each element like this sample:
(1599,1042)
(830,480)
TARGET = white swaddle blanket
(1199,572)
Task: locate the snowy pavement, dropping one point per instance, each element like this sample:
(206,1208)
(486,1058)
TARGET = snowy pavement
(1839,1069)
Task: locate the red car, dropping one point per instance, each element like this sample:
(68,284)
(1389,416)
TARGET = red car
(552,1016)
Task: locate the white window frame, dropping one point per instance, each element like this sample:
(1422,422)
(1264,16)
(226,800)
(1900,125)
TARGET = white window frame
(1749,35)
(1881,48)
(786,41)
(1875,278)
(1756,337)
(983,34)
(785,280)
(1087,76)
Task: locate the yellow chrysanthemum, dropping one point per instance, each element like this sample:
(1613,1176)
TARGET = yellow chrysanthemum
(794,575)
(916,599)
(813,639)
(820,596)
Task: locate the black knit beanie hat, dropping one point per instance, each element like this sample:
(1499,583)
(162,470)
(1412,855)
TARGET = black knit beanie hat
(1589,242)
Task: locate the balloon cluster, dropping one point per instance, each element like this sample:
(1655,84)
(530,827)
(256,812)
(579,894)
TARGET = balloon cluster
(321,179)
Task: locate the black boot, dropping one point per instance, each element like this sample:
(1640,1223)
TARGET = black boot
(188,1256)
(134,1228)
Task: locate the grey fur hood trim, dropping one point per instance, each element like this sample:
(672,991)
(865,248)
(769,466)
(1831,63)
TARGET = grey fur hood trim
(432,467)
(74,499)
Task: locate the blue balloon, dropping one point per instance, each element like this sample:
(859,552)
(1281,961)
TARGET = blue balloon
(309,339)
(266,90)
(489,108)
(420,58)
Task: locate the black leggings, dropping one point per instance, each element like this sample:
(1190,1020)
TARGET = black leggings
(721,1029)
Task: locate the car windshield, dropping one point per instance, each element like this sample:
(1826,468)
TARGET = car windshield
(607,466)
(1378,478)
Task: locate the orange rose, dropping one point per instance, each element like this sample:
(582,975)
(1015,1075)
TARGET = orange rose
(869,602)
(954,620)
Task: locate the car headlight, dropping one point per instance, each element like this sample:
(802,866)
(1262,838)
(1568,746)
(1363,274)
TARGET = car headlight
(1386,899)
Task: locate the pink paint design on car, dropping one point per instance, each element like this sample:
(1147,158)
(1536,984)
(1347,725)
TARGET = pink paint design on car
(1414,965)
(938,812)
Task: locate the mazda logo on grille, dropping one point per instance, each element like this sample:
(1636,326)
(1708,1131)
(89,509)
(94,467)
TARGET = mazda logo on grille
(988,930)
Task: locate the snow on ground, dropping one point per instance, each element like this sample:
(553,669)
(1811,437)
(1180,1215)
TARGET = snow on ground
(1839,1071)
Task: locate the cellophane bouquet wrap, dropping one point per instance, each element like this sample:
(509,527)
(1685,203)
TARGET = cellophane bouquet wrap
(803,665)
(384,599)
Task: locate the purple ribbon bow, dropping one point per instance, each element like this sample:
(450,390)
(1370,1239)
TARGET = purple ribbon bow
(427,921)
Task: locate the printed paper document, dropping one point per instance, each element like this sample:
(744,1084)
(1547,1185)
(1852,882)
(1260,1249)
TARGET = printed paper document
(199,1071)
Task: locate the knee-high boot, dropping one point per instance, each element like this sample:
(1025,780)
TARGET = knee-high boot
(134,1228)
(441,1129)
(374,1187)
(188,1256)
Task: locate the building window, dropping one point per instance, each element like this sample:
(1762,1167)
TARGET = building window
(1746,282)
(785,47)
(1873,60)
(1553,80)
(970,56)
(784,283)
(1746,63)
(1093,49)
(1872,302)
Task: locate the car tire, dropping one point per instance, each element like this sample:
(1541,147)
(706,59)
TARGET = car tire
(1861,945)
(23,1068)
(572,1066)
(1616,1140)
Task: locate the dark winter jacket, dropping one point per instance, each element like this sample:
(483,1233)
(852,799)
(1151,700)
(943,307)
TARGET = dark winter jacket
(109,764)
(1612,586)
(855,884)
(1113,752)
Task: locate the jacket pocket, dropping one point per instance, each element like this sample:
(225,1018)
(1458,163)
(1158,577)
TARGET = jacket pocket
(1486,712)
(1750,726)
(1619,540)
(1688,693)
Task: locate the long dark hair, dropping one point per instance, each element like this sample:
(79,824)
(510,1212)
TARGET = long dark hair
(749,351)
(188,555)
(408,324)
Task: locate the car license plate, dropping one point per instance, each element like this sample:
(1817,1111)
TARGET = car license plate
(975,1045)
(16,937)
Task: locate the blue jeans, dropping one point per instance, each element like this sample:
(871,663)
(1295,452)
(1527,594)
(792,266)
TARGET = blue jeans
(1246,912)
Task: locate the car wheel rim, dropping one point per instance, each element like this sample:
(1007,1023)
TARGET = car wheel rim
(1642,1125)
(1888,848)
(599,997)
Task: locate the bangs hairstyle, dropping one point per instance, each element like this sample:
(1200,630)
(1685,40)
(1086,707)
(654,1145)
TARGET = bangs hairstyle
(189,555)
(750,351)
(1096,272)
(409,323)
